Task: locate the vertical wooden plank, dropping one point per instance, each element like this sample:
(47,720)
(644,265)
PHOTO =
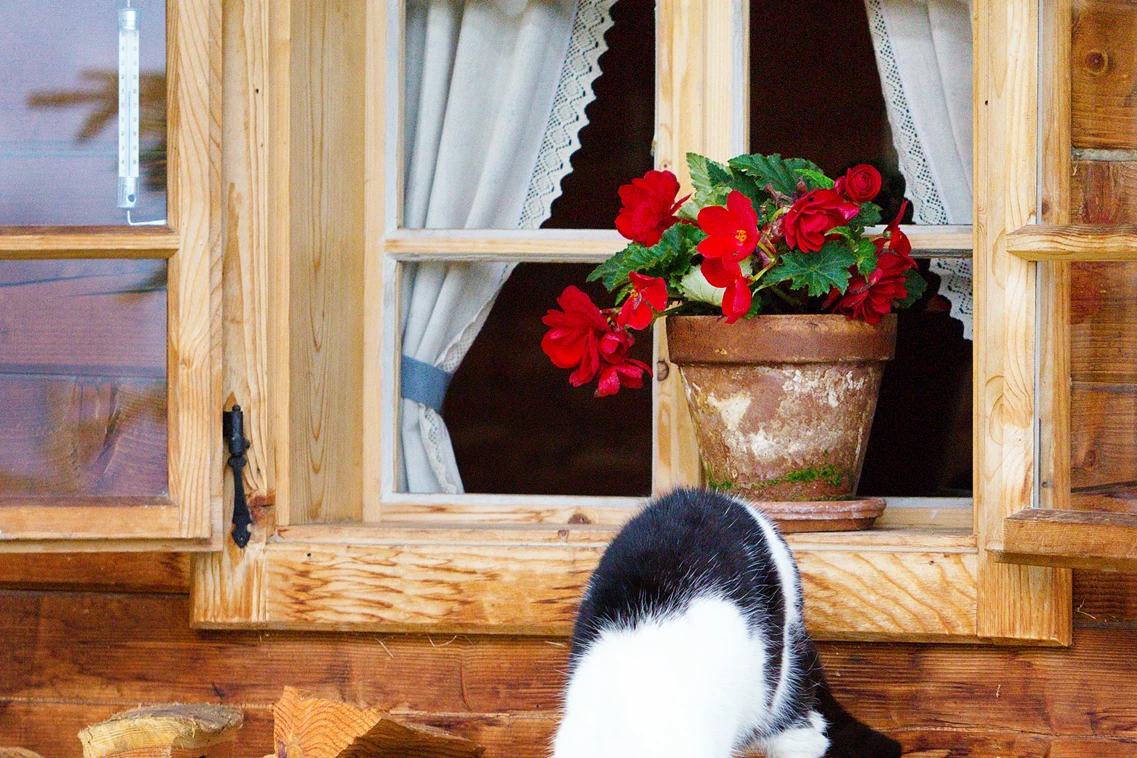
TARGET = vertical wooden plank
(374,209)
(702,106)
(1014,602)
(227,586)
(279,226)
(245,221)
(327,269)
(1055,278)
(194,274)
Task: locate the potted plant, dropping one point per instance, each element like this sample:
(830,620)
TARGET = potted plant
(779,316)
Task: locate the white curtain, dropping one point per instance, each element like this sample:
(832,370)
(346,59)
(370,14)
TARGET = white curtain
(923,52)
(495,99)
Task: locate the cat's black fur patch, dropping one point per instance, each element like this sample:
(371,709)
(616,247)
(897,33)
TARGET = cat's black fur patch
(697,543)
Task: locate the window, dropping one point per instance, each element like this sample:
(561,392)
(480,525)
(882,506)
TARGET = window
(345,547)
(109,302)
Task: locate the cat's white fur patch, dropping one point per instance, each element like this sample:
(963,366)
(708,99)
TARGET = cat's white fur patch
(799,742)
(679,687)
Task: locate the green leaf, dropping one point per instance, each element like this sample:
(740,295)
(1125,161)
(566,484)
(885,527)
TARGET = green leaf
(780,173)
(710,180)
(916,286)
(815,179)
(671,254)
(869,216)
(817,272)
(866,256)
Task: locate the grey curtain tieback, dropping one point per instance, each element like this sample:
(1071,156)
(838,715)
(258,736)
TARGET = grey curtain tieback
(424,383)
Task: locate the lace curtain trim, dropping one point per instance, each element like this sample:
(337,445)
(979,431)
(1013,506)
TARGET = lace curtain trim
(955,275)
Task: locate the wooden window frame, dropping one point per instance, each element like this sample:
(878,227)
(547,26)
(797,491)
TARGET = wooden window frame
(189,518)
(1047,531)
(334,549)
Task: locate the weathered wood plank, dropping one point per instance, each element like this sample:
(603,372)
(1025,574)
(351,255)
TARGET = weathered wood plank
(101,649)
(1103,440)
(1103,192)
(1104,66)
(1079,539)
(96,572)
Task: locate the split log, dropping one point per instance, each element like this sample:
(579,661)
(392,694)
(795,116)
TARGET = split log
(164,731)
(308,727)
(17,752)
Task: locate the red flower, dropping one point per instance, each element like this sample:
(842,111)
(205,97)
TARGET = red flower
(593,342)
(573,340)
(732,236)
(814,215)
(870,298)
(649,207)
(618,370)
(897,241)
(737,299)
(860,183)
(650,295)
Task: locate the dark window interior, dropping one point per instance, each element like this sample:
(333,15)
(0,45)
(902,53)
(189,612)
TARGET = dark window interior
(517,425)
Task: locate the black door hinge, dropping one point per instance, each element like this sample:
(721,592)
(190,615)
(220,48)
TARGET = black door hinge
(233,427)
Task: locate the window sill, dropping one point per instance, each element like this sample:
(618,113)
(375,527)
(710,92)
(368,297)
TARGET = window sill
(901,581)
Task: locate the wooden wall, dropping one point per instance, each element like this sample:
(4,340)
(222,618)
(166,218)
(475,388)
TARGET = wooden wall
(86,636)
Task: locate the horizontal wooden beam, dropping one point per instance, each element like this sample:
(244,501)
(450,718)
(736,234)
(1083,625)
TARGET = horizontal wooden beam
(1075,539)
(595,245)
(529,581)
(1074,242)
(24,242)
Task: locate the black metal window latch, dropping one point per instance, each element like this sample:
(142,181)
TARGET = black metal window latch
(233,427)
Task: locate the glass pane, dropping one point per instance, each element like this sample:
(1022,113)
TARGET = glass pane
(82,112)
(516,424)
(495,111)
(82,378)
(1103,388)
(842,82)
(1103,296)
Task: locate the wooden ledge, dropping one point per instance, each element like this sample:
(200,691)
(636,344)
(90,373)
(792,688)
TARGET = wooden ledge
(159,730)
(1074,539)
(1074,242)
(17,752)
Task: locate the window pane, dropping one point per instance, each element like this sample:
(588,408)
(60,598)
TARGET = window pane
(82,378)
(60,144)
(828,77)
(519,427)
(494,111)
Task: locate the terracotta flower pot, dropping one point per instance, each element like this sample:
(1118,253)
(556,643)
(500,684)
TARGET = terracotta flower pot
(783,405)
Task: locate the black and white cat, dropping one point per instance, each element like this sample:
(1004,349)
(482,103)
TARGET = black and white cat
(690,643)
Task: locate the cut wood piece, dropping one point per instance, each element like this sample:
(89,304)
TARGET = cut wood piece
(17,752)
(162,731)
(309,727)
